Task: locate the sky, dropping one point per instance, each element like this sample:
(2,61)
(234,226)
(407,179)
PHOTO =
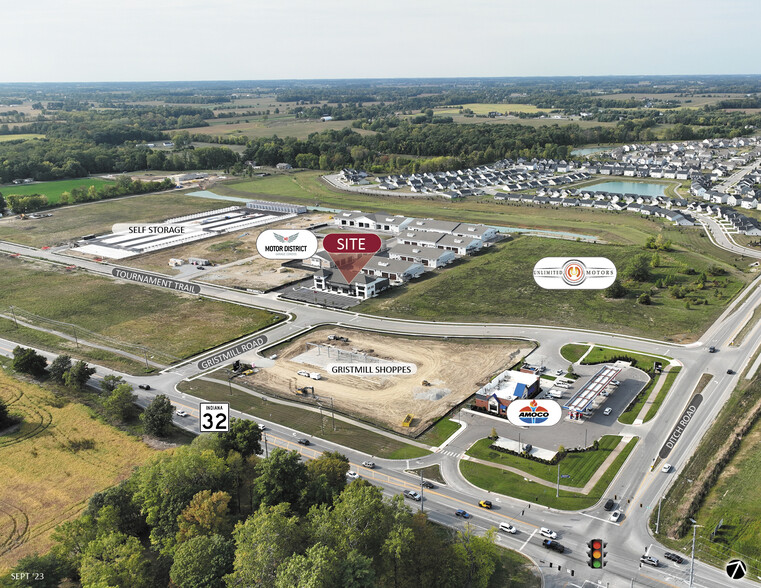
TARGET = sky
(168,40)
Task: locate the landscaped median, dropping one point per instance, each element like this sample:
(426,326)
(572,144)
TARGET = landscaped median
(580,466)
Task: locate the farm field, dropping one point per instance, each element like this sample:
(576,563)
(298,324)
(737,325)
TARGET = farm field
(180,326)
(47,477)
(686,101)
(52,190)
(305,421)
(70,223)
(20,137)
(388,399)
(280,125)
(497,286)
(486,108)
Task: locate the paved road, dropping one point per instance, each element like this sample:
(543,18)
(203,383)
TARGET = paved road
(635,484)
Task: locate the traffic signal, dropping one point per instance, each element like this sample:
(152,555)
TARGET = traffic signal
(596,553)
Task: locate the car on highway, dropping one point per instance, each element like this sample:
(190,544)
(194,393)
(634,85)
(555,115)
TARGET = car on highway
(352,474)
(730,372)
(666,468)
(262,427)
(302,441)
(554,545)
(369,464)
(144,386)
(545,532)
(181,413)
(484,503)
(303,373)
(507,528)
(615,516)
(607,411)
(674,557)
(412,495)
(650,560)
(461,513)
(609,504)
(712,349)
(427,484)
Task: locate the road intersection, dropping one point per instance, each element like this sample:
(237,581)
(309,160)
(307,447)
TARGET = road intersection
(637,489)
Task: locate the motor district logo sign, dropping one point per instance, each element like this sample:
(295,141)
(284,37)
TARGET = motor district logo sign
(534,414)
(284,244)
(567,273)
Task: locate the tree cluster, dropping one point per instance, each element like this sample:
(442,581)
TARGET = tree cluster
(214,515)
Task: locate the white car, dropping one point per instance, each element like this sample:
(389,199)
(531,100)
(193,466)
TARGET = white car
(666,468)
(352,475)
(303,373)
(507,528)
(315,376)
(369,464)
(607,411)
(545,532)
(615,515)
(181,413)
(262,427)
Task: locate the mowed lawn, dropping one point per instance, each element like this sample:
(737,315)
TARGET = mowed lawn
(498,286)
(71,223)
(579,466)
(20,137)
(159,319)
(52,190)
(45,479)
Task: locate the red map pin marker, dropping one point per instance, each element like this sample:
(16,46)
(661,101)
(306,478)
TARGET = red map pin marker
(351,251)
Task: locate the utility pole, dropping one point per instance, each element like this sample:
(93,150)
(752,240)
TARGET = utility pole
(266,450)
(334,414)
(557,488)
(229,385)
(692,562)
(15,320)
(658,520)
(422,507)
(145,353)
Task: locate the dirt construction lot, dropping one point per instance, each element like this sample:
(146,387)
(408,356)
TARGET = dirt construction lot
(454,368)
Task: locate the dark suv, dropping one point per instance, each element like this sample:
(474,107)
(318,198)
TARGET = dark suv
(554,545)
(609,504)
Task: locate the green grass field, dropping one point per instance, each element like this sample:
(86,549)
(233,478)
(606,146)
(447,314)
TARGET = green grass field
(70,223)
(573,351)
(280,125)
(53,190)
(497,286)
(580,466)
(670,377)
(305,421)
(440,432)
(486,108)
(606,354)
(26,336)
(178,325)
(20,137)
(732,493)
(510,484)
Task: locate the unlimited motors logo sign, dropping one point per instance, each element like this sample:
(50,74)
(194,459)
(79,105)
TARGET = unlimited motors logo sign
(534,414)
(568,273)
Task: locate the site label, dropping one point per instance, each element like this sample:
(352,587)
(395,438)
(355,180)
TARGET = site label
(214,417)
(286,244)
(386,368)
(679,428)
(574,273)
(155,229)
(351,251)
(232,353)
(152,280)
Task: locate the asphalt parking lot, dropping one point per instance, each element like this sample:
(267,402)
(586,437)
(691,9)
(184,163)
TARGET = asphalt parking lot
(303,292)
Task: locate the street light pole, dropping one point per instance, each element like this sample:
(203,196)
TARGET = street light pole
(692,562)
(557,488)
(658,520)
(266,450)
(422,506)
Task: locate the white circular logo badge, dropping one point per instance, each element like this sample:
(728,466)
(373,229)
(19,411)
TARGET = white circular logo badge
(574,272)
(286,244)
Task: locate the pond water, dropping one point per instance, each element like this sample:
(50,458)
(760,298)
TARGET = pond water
(641,188)
(590,150)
